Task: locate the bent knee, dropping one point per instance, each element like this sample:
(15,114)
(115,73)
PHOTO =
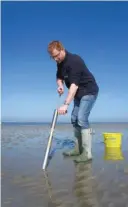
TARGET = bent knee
(73,119)
(83,123)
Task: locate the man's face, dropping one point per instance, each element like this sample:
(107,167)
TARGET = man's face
(57,55)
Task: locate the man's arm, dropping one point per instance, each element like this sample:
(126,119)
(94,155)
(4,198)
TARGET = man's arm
(74,81)
(71,93)
(75,76)
(59,82)
(59,78)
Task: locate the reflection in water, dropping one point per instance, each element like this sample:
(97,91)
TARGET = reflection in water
(48,185)
(113,153)
(84,186)
(52,201)
(49,189)
(24,184)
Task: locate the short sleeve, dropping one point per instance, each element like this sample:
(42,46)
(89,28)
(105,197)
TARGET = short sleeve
(59,73)
(76,73)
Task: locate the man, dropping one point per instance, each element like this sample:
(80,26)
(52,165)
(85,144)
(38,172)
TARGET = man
(83,89)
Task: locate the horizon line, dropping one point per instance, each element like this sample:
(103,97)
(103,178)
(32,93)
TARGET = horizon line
(63,122)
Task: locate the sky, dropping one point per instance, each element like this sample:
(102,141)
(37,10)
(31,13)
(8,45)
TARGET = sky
(97,31)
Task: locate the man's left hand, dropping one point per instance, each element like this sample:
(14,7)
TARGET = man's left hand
(62,109)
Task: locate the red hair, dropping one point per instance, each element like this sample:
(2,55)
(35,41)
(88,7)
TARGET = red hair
(55,45)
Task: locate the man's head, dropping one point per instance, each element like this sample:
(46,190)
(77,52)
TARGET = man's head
(56,51)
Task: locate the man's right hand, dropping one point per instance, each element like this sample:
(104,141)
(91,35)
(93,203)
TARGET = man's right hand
(60,90)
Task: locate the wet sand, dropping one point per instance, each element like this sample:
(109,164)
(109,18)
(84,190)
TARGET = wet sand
(101,183)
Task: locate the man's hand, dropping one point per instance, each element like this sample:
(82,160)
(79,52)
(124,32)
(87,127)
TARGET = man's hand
(62,109)
(60,90)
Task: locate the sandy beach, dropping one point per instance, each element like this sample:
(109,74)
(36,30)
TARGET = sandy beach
(101,183)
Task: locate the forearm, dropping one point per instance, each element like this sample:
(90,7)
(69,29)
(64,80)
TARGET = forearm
(59,82)
(71,93)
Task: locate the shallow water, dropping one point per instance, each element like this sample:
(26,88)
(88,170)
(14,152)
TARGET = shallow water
(65,184)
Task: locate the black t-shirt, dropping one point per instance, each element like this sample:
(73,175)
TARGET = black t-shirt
(73,70)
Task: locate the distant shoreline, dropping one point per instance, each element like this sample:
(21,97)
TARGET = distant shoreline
(60,123)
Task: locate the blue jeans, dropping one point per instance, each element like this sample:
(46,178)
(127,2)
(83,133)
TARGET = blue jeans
(81,111)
